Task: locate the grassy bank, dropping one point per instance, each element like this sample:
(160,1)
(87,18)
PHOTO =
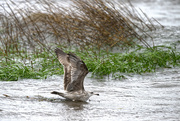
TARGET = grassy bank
(139,61)
(29,35)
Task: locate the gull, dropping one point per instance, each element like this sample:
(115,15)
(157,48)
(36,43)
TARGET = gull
(75,71)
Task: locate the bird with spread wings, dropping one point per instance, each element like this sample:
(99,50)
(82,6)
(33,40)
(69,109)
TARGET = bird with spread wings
(75,71)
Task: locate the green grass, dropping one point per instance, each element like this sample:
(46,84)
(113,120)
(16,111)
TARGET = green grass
(135,62)
(139,61)
(38,68)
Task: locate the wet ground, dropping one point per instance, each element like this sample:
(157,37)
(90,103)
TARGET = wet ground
(147,97)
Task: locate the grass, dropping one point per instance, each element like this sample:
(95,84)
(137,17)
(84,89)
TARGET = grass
(40,66)
(89,28)
(139,61)
(135,62)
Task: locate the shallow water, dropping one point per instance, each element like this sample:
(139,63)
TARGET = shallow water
(152,96)
(147,97)
(167,12)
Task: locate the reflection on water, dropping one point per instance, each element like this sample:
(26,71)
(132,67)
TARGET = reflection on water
(152,96)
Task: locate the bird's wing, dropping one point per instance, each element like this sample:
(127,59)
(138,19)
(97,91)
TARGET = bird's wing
(63,59)
(78,73)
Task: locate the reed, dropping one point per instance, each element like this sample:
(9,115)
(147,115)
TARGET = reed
(91,28)
(95,24)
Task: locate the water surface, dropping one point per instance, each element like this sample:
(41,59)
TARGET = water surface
(151,96)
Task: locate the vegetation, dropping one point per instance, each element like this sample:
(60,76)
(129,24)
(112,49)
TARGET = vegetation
(90,28)
(148,60)
(86,24)
(40,66)
(137,61)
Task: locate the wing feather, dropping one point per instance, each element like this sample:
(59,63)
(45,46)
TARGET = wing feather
(75,70)
(78,73)
(63,59)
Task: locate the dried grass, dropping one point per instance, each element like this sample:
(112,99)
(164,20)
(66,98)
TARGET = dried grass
(94,25)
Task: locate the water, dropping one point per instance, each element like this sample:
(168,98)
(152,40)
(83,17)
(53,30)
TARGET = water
(147,97)
(167,12)
(152,96)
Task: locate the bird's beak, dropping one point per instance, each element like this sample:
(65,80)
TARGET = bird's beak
(96,94)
